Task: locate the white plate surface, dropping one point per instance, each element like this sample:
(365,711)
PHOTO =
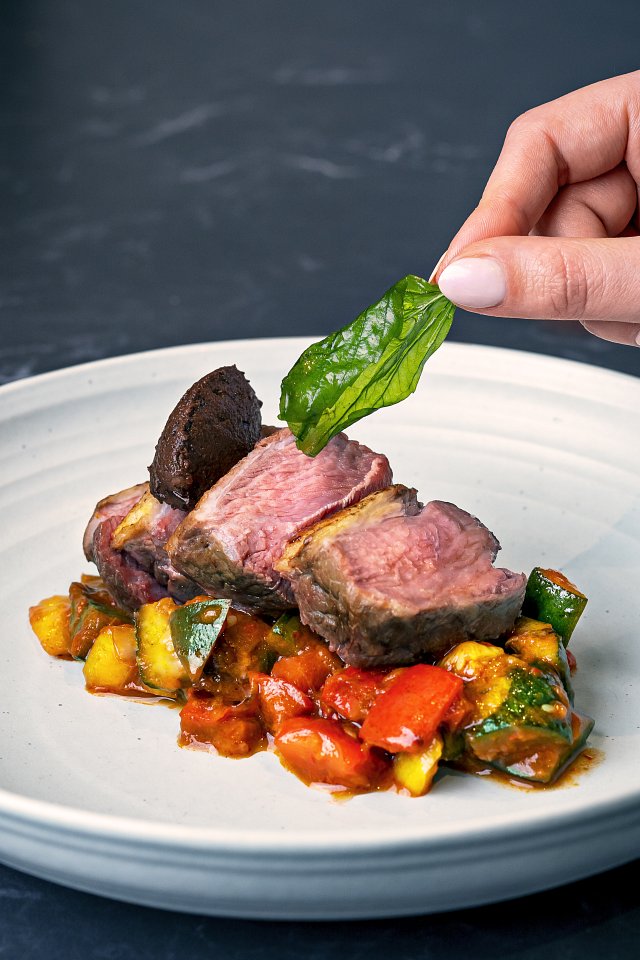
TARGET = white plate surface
(95,792)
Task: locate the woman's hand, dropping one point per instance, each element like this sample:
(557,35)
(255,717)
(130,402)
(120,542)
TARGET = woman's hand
(556,233)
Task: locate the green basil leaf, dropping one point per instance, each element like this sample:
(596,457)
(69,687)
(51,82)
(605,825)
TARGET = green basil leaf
(371,363)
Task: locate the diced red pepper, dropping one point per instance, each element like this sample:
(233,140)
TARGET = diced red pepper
(234,730)
(408,714)
(351,692)
(321,751)
(307,670)
(280,700)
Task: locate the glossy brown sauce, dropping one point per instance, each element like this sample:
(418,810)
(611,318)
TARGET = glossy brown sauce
(589,758)
(570,776)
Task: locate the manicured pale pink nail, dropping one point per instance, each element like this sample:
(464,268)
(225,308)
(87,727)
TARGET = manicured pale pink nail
(474,282)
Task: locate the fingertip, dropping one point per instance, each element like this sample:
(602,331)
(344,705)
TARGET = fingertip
(474,282)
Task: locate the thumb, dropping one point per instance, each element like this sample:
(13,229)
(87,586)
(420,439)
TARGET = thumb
(552,278)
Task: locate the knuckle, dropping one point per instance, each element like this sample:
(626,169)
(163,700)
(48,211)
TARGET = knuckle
(570,286)
(524,122)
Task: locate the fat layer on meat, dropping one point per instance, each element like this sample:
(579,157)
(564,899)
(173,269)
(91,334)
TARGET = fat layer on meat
(389,581)
(126,538)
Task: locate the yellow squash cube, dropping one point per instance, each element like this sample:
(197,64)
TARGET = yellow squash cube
(49,621)
(415,771)
(110,666)
(159,664)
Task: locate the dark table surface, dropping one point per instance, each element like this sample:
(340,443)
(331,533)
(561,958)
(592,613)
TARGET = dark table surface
(179,172)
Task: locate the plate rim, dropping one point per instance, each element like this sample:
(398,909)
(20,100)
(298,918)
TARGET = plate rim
(39,813)
(324,844)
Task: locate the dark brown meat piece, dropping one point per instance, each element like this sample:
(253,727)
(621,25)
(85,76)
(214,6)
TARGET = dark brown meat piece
(215,424)
(389,581)
(230,541)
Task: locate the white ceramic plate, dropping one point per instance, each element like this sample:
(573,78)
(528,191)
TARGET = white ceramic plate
(97,795)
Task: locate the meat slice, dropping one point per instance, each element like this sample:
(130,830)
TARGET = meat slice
(143,535)
(231,540)
(116,505)
(125,538)
(389,581)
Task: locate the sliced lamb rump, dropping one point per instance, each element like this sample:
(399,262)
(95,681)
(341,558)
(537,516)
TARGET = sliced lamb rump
(231,540)
(116,505)
(125,538)
(143,535)
(389,581)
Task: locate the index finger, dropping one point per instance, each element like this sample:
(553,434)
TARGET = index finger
(575,138)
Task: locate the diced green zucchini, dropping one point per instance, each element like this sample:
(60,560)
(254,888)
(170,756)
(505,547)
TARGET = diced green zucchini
(87,620)
(531,734)
(283,634)
(289,636)
(540,646)
(552,598)
(544,767)
(195,627)
(159,665)
(95,590)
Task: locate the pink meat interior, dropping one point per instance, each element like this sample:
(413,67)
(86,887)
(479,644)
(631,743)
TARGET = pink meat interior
(277,491)
(438,557)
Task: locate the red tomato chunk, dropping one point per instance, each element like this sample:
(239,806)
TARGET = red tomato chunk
(352,692)
(321,751)
(234,731)
(307,670)
(280,700)
(406,717)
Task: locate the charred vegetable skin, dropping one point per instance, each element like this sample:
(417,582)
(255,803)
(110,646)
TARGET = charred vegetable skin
(249,684)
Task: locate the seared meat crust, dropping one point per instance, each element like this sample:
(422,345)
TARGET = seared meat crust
(230,541)
(389,582)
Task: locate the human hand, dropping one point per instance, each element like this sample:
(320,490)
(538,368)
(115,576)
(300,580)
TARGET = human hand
(556,233)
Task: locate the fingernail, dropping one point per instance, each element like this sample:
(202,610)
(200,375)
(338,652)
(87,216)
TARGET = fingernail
(432,276)
(638,338)
(474,282)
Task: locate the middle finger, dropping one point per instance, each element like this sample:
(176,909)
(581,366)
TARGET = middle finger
(601,207)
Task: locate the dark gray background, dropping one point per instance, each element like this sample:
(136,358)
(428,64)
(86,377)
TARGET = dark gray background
(177,172)
(187,171)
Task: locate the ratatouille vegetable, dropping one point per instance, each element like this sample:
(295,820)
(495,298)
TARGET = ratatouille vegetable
(246,683)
